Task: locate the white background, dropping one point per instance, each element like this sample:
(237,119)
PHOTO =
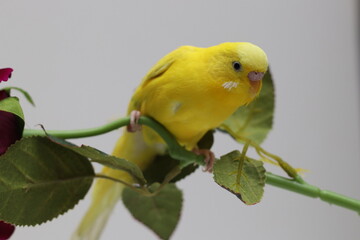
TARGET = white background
(81,61)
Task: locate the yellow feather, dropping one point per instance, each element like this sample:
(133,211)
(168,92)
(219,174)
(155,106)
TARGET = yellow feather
(190,91)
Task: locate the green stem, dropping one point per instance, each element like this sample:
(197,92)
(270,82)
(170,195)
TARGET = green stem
(82,133)
(284,165)
(142,190)
(186,157)
(241,162)
(171,175)
(313,191)
(175,150)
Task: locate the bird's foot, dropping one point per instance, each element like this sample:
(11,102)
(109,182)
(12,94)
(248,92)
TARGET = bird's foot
(209,158)
(134,125)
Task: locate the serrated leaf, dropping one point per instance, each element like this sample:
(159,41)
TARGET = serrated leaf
(40,179)
(111,161)
(253,121)
(12,105)
(250,189)
(25,93)
(160,212)
(163,164)
(98,156)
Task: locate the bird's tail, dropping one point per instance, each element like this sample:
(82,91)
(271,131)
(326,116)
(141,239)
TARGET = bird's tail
(106,193)
(105,196)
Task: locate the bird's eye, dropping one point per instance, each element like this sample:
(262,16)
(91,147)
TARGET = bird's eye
(236,66)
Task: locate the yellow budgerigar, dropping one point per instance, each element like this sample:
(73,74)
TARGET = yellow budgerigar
(189,91)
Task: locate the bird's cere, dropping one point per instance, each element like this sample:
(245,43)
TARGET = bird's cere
(230,85)
(255,76)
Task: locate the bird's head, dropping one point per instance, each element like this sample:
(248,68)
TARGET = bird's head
(239,68)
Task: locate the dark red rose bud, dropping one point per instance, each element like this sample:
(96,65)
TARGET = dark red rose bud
(5,74)
(6,230)
(10,131)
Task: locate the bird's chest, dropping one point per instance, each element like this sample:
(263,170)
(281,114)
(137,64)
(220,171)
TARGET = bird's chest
(190,107)
(188,115)
(198,113)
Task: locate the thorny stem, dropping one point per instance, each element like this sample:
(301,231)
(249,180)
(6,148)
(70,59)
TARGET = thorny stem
(296,184)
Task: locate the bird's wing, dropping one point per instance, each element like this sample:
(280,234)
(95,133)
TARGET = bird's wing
(166,62)
(156,71)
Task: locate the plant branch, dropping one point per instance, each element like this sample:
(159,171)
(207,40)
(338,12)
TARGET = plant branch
(186,157)
(81,133)
(313,191)
(141,190)
(175,150)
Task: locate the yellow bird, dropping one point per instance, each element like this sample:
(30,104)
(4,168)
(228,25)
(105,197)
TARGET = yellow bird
(189,91)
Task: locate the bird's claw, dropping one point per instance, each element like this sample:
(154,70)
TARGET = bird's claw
(134,125)
(209,158)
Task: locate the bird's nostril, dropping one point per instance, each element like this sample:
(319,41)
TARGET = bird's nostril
(255,76)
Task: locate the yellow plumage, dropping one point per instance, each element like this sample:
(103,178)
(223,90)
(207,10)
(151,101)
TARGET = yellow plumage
(190,91)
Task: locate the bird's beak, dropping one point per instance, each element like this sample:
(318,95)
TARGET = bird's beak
(255,80)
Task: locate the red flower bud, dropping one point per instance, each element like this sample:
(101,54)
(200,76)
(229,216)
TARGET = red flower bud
(10,131)
(5,74)
(6,230)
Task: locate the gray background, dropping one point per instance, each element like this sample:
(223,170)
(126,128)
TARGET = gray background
(81,61)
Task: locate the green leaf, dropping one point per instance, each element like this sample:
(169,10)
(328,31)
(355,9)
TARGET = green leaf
(25,93)
(160,212)
(12,105)
(40,179)
(98,156)
(163,164)
(110,161)
(255,120)
(250,189)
